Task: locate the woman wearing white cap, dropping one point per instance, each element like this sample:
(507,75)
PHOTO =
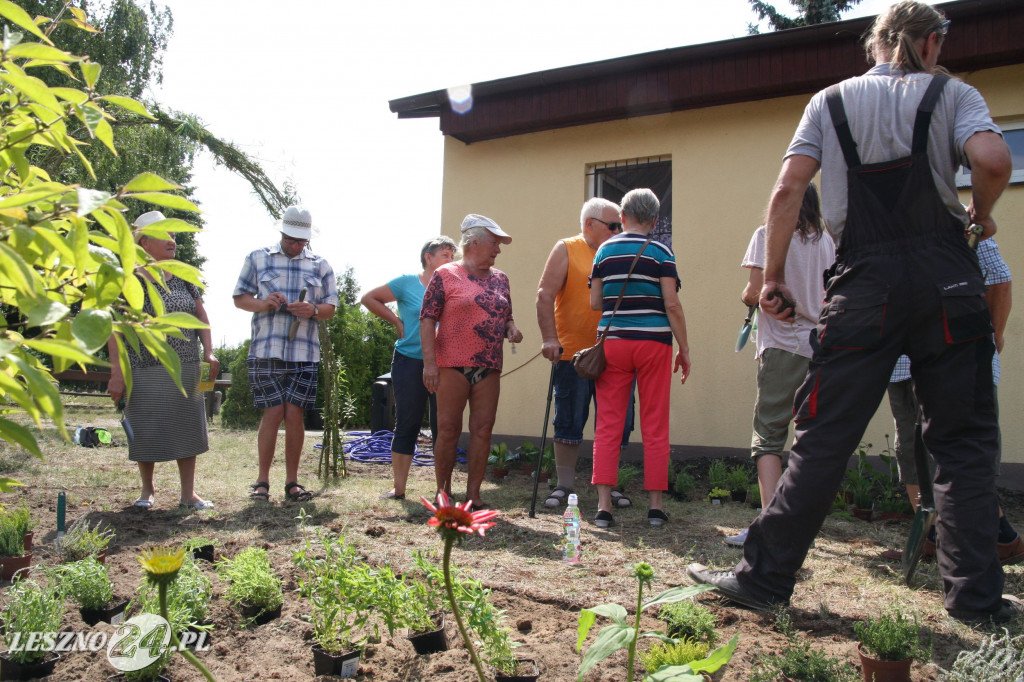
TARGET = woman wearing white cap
(470,302)
(166,425)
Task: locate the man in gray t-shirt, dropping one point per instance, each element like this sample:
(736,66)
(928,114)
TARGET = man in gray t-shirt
(905,281)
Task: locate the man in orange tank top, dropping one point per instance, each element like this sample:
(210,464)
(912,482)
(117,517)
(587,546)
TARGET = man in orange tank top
(567,324)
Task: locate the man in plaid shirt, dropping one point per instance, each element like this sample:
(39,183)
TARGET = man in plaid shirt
(287,288)
(1010,546)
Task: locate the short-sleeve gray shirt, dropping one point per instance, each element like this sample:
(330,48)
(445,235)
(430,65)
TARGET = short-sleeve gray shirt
(881,106)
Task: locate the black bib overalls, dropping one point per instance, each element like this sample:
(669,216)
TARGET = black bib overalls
(904,281)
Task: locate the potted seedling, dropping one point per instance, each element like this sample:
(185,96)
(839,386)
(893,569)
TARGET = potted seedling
(754,495)
(738,479)
(188,600)
(621,633)
(15,542)
(82,541)
(343,594)
(253,587)
(500,454)
(496,646)
(718,496)
(895,508)
(547,463)
(861,489)
(528,453)
(200,548)
(888,645)
(424,610)
(31,609)
(683,485)
(88,584)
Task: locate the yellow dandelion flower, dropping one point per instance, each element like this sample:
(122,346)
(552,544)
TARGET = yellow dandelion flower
(161,564)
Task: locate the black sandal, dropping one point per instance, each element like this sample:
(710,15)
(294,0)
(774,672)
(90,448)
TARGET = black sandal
(293,492)
(256,495)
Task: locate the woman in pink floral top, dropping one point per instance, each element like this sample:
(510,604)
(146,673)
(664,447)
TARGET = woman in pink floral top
(469,303)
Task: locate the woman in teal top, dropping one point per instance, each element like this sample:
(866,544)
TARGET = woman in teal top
(407,364)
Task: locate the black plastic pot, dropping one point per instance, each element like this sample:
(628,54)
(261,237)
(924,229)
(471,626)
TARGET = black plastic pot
(113,613)
(738,495)
(432,641)
(203,552)
(12,670)
(523,674)
(341,665)
(257,616)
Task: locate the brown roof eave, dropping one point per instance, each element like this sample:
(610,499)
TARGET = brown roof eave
(793,62)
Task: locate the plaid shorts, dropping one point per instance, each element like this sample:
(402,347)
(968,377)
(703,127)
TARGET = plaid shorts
(275,382)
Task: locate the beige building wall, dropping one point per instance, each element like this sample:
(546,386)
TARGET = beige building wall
(724,163)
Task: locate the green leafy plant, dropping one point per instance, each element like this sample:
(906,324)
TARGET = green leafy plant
(14,525)
(31,608)
(801,661)
(425,596)
(895,505)
(68,250)
(684,484)
(344,593)
(162,567)
(188,598)
(81,541)
(547,460)
(687,619)
(890,637)
(718,494)
(499,452)
(251,580)
(496,646)
(738,479)
(754,494)
(528,452)
(718,474)
(997,658)
(621,634)
(861,487)
(87,582)
(672,654)
(627,475)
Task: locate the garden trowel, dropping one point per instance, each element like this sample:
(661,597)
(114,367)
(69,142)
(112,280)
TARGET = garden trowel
(741,340)
(924,518)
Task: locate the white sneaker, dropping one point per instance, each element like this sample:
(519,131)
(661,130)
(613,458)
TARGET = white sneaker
(738,539)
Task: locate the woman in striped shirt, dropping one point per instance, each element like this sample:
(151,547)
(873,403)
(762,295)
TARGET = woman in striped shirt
(638,344)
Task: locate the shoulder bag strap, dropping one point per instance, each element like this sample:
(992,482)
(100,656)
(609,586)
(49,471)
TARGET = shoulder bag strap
(618,301)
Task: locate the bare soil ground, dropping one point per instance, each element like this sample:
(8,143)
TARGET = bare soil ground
(844,579)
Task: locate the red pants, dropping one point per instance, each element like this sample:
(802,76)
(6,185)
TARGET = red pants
(651,363)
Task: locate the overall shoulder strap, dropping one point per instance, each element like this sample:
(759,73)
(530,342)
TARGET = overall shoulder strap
(838,113)
(924,113)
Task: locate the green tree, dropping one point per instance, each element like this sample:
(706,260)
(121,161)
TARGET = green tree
(363,343)
(810,12)
(67,254)
(132,39)
(238,412)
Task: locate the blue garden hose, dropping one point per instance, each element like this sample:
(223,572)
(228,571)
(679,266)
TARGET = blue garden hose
(375,448)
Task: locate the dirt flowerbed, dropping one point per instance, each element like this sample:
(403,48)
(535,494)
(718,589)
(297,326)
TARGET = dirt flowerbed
(844,580)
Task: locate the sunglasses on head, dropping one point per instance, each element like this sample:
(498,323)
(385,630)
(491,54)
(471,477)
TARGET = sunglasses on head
(614,227)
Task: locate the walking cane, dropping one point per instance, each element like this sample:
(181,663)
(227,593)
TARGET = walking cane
(543,442)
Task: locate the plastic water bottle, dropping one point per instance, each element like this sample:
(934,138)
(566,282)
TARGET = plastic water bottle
(571,524)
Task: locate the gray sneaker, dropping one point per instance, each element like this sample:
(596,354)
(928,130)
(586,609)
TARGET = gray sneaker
(738,539)
(726,583)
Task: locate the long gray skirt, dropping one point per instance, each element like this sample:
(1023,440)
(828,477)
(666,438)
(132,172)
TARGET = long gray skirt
(166,425)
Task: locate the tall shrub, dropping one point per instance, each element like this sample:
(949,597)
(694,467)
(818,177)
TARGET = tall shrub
(238,412)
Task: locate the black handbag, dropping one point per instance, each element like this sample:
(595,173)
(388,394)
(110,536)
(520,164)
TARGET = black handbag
(590,362)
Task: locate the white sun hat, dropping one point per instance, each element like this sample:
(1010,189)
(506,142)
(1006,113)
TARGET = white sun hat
(474,220)
(297,223)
